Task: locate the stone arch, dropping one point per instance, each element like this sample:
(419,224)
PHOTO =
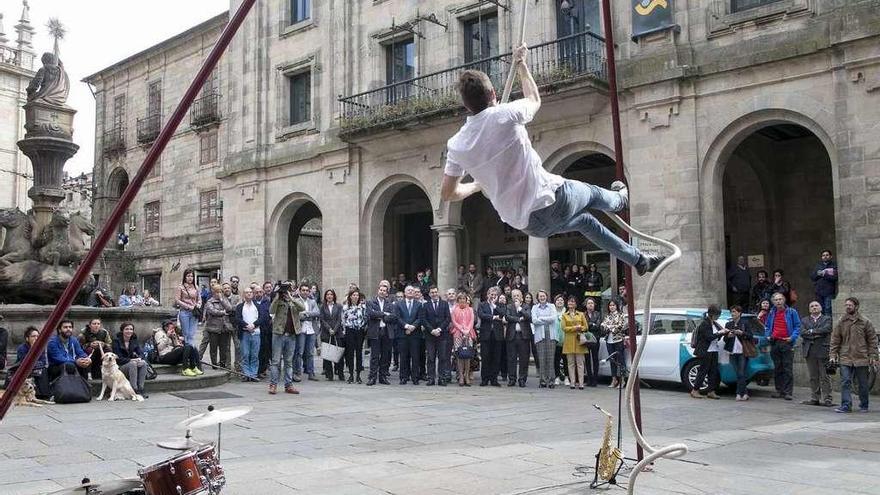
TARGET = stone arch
(373,219)
(296,206)
(714,163)
(559,160)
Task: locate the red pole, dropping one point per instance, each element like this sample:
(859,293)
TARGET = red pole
(618,161)
(125,201)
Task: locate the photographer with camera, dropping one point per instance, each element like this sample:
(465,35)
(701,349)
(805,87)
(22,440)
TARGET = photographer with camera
(286,325)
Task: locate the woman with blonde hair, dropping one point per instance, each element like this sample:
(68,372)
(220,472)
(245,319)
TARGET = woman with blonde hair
(574,324)
(544,323)
(463,338)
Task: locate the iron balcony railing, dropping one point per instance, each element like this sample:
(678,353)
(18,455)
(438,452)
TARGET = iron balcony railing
(205,111)
(557,62)
(148,128)
(114,140)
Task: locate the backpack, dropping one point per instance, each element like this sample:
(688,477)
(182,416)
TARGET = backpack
(149,349)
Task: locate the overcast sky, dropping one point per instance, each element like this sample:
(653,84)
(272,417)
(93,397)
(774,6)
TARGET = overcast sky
(100,33)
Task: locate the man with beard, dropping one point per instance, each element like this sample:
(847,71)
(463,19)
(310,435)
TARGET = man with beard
(824,279)
(854,348)
(762,290)
(63,351)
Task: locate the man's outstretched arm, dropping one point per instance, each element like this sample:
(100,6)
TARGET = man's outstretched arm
(529,87)
(453,190)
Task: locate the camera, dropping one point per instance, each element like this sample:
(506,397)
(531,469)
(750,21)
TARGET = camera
(281,287)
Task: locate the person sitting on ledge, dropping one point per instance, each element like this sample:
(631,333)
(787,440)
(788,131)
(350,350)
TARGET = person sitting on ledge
(130,357)
(66,352)
(95,340)
(173,350)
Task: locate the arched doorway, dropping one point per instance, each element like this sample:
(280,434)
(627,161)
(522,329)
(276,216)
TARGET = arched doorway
(408,241)
(778,202)
(304,244)
(116,185)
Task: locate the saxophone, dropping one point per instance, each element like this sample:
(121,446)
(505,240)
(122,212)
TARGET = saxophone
(609,456)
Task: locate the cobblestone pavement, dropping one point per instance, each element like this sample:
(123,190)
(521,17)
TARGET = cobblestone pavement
(337,438)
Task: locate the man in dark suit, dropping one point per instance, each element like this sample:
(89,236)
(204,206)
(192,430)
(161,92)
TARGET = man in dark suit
(491,338)
(380,318)
(436,320)
(518,339)
(409,317)
(816,336)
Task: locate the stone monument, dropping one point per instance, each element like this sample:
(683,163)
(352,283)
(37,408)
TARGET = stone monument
(41,248)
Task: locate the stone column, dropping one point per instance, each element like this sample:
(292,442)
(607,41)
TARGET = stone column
(539,265)
(447,255)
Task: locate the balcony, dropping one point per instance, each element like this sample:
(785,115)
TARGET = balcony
(114,141)
(205,111)
(148,128)
(562,62)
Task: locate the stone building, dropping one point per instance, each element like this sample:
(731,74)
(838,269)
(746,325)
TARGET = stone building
(78,194)
(175,221)
(16,71)
(749,128)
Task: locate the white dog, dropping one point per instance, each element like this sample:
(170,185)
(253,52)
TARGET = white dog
(27,396)
(114,379)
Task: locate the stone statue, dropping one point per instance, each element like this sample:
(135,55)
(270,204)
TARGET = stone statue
(50,85)
(17,243)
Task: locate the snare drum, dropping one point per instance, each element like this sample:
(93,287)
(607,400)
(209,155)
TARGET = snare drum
(179,475)
(211,469)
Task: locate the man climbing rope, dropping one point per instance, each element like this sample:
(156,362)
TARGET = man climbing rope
(493,147)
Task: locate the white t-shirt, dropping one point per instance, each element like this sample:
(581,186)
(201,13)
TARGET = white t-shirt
(494,148)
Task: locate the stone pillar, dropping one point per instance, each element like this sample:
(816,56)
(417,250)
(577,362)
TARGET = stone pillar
(447,255)
(539,265)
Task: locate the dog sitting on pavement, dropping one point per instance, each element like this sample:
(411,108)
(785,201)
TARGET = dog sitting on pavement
(114,379)
(27,396)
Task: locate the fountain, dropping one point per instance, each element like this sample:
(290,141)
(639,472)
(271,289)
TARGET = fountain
(43,247)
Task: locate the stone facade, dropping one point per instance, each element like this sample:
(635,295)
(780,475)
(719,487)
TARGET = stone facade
(175,221)
(16,71)
(779,101)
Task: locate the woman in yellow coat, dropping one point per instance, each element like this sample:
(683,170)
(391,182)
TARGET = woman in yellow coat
(573,325)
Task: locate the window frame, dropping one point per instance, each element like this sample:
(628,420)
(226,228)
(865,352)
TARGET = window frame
(154,98)
(149,219)
(291,96)
(735,8)
(208,217)
(295,14)
(119,109)
(212,137)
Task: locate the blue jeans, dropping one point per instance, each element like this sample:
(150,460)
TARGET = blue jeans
(304,355)
(570,214)
(282,349)
(847,374)
(740,365)
(188,325)
(250,354)
(825,301)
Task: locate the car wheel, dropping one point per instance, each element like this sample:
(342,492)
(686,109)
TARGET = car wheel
(689,375)
(762,381)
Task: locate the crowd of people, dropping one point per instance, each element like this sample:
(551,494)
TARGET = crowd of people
(489,324)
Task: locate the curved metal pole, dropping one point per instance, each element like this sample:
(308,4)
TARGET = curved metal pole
(124,202)
(619,172)
(508,86)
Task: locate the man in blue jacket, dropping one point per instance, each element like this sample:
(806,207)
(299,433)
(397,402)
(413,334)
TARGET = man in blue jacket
(64,351)
(782,328)
(824,277)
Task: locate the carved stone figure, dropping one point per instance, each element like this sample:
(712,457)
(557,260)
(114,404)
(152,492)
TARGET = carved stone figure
(17,244)
(54,242)
(51,84)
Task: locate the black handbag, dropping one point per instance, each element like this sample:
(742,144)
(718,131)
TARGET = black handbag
(465,352)
(71,388)
(151,372)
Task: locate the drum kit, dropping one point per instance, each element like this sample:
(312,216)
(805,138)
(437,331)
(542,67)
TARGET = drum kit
(196,470)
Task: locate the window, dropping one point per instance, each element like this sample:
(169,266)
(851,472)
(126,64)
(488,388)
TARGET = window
(152,283)
(212,85)
(119,111)
(300,98)
(672,324)
(400,65)
(300,10)
(208,147)
(740,5)
(208,204)
(154,98)
(578,16)
(481,37)
(151,218)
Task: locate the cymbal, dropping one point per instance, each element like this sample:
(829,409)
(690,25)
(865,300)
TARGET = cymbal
(117,487)
(184,443)
(213,417)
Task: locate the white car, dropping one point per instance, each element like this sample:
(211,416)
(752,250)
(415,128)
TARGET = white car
(668,356)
